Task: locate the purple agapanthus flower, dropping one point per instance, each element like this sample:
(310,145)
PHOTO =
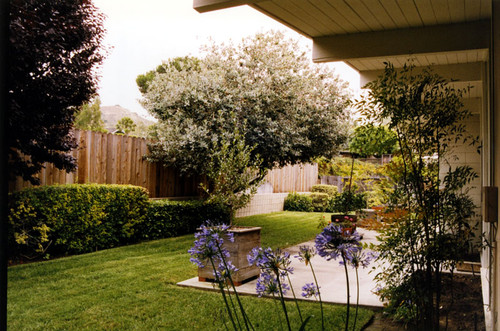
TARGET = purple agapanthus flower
(208,245)
(225,270)
(268,284)
(333,242)
(310,290)
(277,262)
(274,266)
(360,258)
(306,253)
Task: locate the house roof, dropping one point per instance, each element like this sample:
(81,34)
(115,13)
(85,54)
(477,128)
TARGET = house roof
(362,32)
(453,36)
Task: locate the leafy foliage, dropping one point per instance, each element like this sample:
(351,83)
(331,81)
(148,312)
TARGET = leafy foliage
(53,49)
(433,232)
(89,117)
(288,109)
(298,202)
(348,201)
(126,125)
(331,190)
(174,218)
(373,140)
(62,219)
(68,219)
(233,177)
(320,201)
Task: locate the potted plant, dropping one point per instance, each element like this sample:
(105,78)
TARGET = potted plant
(348,203)
(233,179)
(346,222)
(238,243)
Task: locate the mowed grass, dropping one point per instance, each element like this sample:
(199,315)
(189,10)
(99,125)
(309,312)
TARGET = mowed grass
(134,287)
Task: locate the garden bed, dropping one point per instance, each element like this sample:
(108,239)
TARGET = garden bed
(463,303)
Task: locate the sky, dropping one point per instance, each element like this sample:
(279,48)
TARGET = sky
(142,34)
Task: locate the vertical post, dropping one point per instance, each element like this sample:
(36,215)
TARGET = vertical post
(495,131)
(4,28)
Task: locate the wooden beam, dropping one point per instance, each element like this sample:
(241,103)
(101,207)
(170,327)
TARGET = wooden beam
(460,72)
(203,6)
(431,39)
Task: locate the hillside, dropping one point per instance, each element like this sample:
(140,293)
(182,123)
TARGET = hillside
(112,114)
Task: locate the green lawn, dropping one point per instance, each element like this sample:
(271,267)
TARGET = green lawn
(133,287)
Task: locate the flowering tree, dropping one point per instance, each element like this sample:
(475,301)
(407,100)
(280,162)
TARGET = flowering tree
(287,109)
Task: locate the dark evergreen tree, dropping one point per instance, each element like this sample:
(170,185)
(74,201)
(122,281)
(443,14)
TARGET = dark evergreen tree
(54,48)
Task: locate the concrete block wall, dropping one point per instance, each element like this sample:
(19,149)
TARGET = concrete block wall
(263,204)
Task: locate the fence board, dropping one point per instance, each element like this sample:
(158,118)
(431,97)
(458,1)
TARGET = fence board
(296,178)
(113,159)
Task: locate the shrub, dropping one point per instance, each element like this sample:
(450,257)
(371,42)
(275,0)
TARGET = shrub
(173,218)
(331,190)
(64,219)
(347,201)
(319,201)
(298,202)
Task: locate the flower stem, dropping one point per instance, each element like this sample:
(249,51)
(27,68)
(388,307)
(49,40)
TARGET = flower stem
(221,286)
(357,300)
(243,313)
(348,292)
(277,311)
(295,298)
(283,302)
(319,296)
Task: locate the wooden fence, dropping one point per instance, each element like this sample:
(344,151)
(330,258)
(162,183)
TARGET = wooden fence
(296,178)
(115,159)
(106,158)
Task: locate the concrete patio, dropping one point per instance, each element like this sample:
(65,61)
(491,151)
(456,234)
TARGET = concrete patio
(330,275)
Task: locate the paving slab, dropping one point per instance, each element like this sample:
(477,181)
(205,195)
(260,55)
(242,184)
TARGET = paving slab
(330,275)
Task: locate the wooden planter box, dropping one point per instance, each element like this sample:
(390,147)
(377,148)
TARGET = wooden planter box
(245,239)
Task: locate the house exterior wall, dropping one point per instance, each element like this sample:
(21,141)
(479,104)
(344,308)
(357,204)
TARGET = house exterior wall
(469,155)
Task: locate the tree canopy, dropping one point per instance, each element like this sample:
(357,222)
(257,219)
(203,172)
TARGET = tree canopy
(372,139)
(126,125)
(287,109)
(89,117)
(53,50)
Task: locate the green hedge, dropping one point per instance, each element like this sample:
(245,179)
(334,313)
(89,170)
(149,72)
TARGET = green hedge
(320,201)
(69,219)
(347,201)
(298,202)
(174,218)
(331,190)
(72,219)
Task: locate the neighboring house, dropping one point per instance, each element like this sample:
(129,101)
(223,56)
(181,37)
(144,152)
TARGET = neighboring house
(460,39)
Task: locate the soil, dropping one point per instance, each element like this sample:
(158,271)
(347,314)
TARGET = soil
(462,307)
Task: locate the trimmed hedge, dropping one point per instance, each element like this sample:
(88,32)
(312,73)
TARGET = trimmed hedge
(331,190)
(72,219)
(298,202)
(351,201)
(320,201)
(174,218)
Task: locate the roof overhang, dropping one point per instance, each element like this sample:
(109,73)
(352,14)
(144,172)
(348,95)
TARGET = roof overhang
(358,32)
(422,40)
(453,36)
